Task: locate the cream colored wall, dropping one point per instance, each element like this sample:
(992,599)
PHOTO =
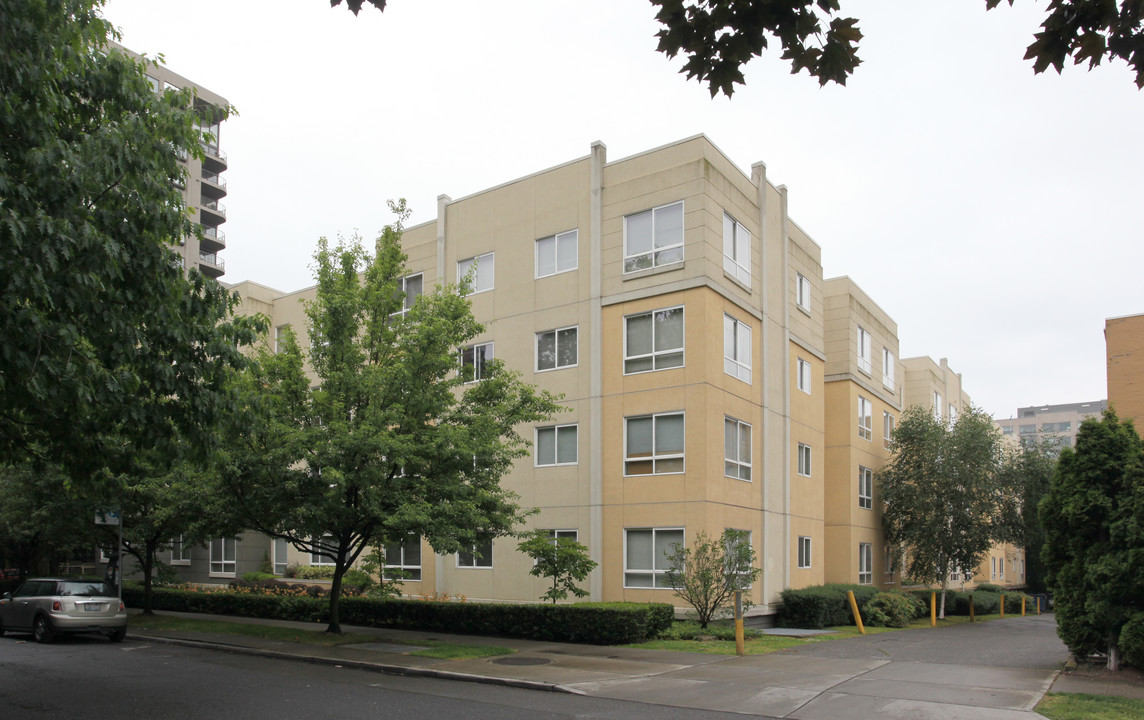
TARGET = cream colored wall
(1124,351)
(807,418)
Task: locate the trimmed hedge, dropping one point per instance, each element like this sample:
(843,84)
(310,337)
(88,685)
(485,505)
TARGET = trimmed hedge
(595,623)
(821,605)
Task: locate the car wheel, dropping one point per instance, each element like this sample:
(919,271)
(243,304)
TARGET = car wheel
(117,634)
(42,630)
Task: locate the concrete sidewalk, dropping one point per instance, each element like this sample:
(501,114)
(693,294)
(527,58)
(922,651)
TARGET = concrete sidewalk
(952,672)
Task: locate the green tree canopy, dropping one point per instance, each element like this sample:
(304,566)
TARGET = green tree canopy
(1093,517)
(105,345)
(388,438)
(562,559)
(1031,468)
(709,573)
(946,501)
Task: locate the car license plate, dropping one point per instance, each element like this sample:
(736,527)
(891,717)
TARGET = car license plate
(93,607)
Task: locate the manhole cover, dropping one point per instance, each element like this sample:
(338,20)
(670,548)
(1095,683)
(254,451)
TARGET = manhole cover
(512,660)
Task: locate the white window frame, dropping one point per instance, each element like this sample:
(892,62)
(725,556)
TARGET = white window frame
(737,342)
(279,562)
(865,363)
(406,303)
(803,376)
(322,561)
(407,571)
(563,244)
(479,372)
(804,552)
(802,291)
(805,455)
(218,563)
(667,355)
(734,466)
(180,551)
(865,563)
(865,418)
(938,411)
(468,559)
(485,275)
(888,369)
(557,431)
(672,251)
(657,573)
(888,562)
(656,457)
(1001,568)
(887,430)
(952,414)
(993,571)
(278,332)
(736,249)
(865,487)
(572,331)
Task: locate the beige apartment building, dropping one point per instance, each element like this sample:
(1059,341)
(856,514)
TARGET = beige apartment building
(714,379)
(1057,424)
(1124,349)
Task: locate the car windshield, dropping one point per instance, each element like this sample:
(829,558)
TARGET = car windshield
(94,588)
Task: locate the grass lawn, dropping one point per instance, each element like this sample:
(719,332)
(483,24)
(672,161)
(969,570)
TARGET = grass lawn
(445,651)
(1075,706)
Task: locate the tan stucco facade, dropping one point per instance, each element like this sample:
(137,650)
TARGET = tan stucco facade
(1124,348)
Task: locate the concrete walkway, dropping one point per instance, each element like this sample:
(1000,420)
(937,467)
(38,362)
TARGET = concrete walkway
(997,670)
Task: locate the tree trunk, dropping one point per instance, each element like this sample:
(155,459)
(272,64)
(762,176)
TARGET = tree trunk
(1113,654)
(941,609)
(335,599)
(146,567)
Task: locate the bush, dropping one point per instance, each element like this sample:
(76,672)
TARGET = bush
(1132,641)
(313,572)
(821,606)
(893,609)
(691,630)
(989,587)
(356,582)
(256,575)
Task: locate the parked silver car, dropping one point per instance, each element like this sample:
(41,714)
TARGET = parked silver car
(47,607)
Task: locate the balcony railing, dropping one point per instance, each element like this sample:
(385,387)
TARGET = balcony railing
(214,151)
(214,206)
(214,235)
(215,178)
(212,259)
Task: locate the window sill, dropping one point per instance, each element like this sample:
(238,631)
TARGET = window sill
(745,285)
(637,274)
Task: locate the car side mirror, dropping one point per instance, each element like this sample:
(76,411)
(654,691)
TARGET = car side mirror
(6,596)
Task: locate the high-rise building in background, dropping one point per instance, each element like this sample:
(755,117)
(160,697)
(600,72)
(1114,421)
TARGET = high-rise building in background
(1056,424)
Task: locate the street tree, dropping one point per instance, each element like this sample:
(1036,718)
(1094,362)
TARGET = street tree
(388,436)
(104,342)
(562,559)
(40,516)
(718,37)
(945,499)
(1093,517)
(709,573)
(1030,469)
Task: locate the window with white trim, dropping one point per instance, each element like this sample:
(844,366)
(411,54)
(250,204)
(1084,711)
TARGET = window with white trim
(557,348)
(888,369)
(556,445)
(864,352)
(557,253)
(736,349)
(889,562)
(952,414)
(180,551)
(803,376)
(653,444)
(410,287)
(1001,568)
(484,270)
(865,488)
(480,555)
(653,238)
(646,552)
(955,575)
(736,449)
(865,564)
(802,291)
(993,569)
(278,549)
(937,405)
(732,540)
(803,552)
(403,559)
(736,250)
(653,340)
(865,421)
(804,460)
(323,550)
(280,338)
(224,552)
(887,430)
(474,361)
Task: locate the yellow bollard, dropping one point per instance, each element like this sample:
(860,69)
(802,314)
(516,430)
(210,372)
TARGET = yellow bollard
(933,609)
(740,650)
(1002,605)
(1038,605)
(970,607)
(1022,606)
(854,609)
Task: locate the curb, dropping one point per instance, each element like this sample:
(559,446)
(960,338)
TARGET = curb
(362,665)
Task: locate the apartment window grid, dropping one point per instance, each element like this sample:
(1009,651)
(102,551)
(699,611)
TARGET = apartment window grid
(479,555)
(888,369)
(556,349)
(865,488)
(865,419)
(733,539)
(887,430)
(653,340)
(557,253)
(804,460)
(938,411)
(483,268)
(803,552)
(280,338)
(952,414)
(654,444)
(736,250)
(322,550)
(411,288)
(803,376)
(736,349)
(646,552)
(654,237)
(403,559)
(1001,568)
(736,449)
(865,363)
(802,292)
(557,445)
(865,564)
(474,361)
(180,551)
(278,550)
(223,553)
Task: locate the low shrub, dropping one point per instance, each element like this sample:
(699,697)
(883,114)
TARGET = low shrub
(821,605)
(690,630)
(313,572)
(893,609)
(989,587)
(1132,641)
(357,582)
(256,575)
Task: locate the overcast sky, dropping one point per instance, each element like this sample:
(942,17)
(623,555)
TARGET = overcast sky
(996,216)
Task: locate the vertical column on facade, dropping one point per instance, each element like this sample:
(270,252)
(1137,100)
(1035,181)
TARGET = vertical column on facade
(596,388)
(442,207)
(759,179)
(786,368)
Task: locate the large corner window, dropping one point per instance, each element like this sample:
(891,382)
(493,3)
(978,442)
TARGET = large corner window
(736,349)
(653,238)
(865,419)
(483,269)
(653,340)
(556,253)
(865,488)
(736,250)
(864,351)
(653,444)
(888,369)
(646,552)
